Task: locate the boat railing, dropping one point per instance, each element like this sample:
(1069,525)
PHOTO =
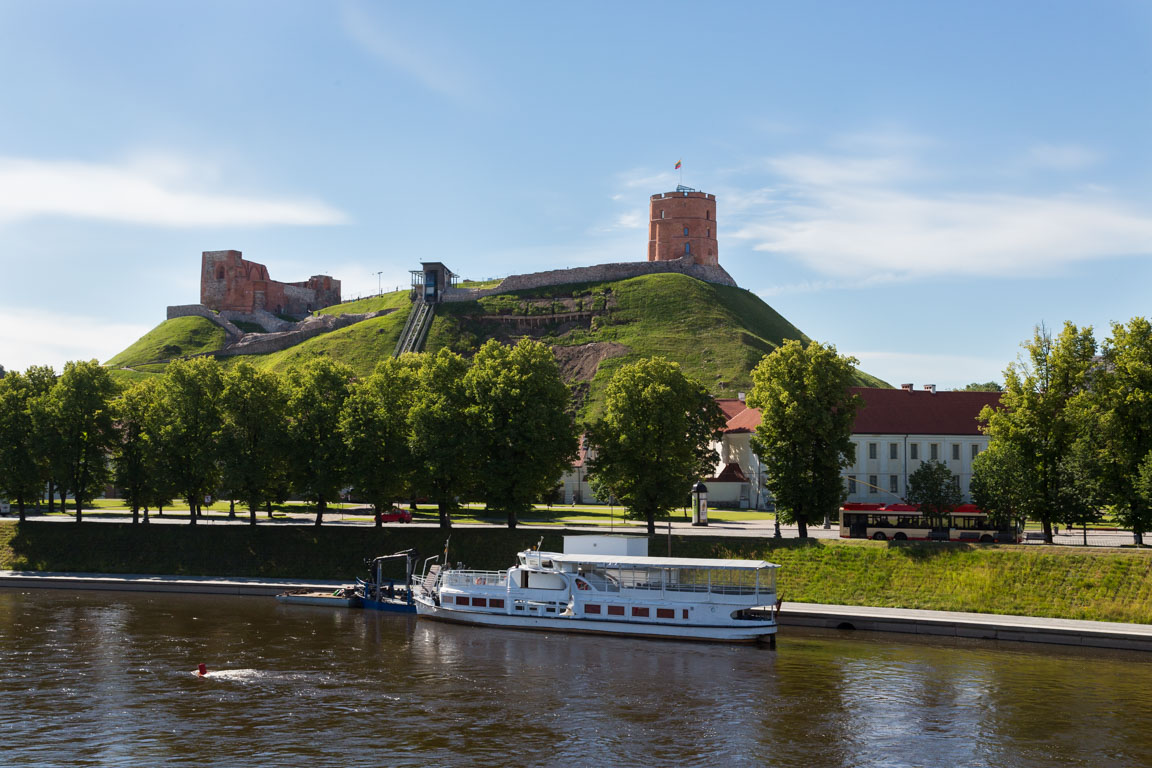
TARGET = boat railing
(474,578)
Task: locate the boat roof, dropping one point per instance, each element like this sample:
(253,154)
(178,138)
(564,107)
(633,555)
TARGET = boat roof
(634,561)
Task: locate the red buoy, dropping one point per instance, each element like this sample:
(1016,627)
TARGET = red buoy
(202,670)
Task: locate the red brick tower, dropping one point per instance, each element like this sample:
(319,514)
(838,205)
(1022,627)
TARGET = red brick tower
(683,225)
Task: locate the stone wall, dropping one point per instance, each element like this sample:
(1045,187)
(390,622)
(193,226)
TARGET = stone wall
(228,281)
(264,343)
(199,310)
(597,274)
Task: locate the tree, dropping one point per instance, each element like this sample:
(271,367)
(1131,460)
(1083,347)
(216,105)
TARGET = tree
(374,427)
(439,436)
(987,386)
(804,437)
(1002,487)
(526,439)
(934,488)
(188,422)
(318,463)
(47,439)
(655,438)
(134,458)
(1114,423)
(80,407)
(1036,421)
(254,413)
(19,473)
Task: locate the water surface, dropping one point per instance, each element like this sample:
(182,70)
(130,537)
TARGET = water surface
(105,679)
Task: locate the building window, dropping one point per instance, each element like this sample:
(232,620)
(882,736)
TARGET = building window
(914,451)
(871,450)
(894,483)
(707,214)
(893,451)
(661,214)
(685,231)
(872,483)
(851,484)
(220,272)
(687,248)
(975,450)
(956,482)
(934,451)
(956,451)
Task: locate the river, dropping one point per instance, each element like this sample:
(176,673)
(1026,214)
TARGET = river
(106,679)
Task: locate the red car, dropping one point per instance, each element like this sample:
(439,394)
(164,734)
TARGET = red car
(396,516)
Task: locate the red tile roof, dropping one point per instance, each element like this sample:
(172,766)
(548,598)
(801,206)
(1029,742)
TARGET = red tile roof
(900,412)
(732,473)
(731,406)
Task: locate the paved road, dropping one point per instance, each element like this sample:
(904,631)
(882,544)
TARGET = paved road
(754,528)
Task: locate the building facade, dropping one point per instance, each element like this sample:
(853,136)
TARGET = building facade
(682,225)
(228,281)
(896,430)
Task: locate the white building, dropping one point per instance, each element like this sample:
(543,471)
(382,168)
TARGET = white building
(894,432)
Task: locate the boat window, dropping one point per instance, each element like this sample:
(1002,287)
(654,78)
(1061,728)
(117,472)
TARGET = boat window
(538,580)
(685,612)
(636,611)
(496,602)
(482,602)
(590,608)
(665,613)
(461,600)
(615,610)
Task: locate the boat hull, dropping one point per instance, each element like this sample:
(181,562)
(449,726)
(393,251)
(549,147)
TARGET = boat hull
(395,605)
(310,597)
(754,632)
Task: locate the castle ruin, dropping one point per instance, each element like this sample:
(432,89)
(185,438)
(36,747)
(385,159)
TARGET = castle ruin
(229,282)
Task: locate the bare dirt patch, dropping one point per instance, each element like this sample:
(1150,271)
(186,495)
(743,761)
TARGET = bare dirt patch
(580,363)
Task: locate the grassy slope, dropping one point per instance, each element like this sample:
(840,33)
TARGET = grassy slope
(716,333)
(172,338)
(392,300)
(361,346)
(1056,582)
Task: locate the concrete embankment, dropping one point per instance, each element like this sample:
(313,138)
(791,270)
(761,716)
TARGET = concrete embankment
(1097,634)
(1028,629)
(193,585)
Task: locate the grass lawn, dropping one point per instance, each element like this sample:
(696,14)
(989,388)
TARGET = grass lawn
(390,300)
(172,338)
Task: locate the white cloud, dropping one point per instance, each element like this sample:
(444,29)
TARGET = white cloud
(854,218)
(34,337)
(152,190)
(431,61)
(1062,157)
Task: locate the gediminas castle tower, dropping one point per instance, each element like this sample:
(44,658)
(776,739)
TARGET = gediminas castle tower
(683,226)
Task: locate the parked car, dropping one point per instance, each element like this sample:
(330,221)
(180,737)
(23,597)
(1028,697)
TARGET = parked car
(396,516)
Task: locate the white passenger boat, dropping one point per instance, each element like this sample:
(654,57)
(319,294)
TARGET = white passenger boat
(603,592)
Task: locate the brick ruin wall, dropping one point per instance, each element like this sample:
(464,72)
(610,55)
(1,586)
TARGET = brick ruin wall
(230,282)
(600,273)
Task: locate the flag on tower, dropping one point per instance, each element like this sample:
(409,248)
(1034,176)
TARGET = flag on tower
(677,165)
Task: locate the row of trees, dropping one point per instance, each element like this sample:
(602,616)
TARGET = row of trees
(493,429)
(1074,434)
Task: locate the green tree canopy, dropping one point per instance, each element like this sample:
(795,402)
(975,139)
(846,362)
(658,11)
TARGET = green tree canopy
(374,427)
(319,458)
(79,405)
(935,489)
(804,437)
(188,422)
(1036,421)
(987,386)
(20,478)
(135,462)
(655,438)
(1114,423)
(254,433)
(440,437)
(525,438)
(1002,487)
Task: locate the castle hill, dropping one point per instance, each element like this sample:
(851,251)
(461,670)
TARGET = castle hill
(748,385)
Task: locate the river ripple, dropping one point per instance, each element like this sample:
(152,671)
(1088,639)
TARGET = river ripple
(105,679)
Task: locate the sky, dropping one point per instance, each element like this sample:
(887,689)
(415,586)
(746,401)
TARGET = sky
(919,184)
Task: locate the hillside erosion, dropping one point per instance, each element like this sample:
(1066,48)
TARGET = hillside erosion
(1050,582)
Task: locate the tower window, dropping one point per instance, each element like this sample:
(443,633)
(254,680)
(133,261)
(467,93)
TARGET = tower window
(687,248)
(708,232)
(708,215)
(685,231)
(220,272)
(661,214)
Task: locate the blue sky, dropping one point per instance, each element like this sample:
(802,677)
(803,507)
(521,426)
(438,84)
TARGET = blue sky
(916,183)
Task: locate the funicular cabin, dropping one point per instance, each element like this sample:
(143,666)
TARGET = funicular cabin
(905,522)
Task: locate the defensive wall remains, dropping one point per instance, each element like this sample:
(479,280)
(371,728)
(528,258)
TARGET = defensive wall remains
(601,273)
(230,282)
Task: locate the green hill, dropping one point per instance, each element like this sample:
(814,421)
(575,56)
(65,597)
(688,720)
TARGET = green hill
(716,333)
